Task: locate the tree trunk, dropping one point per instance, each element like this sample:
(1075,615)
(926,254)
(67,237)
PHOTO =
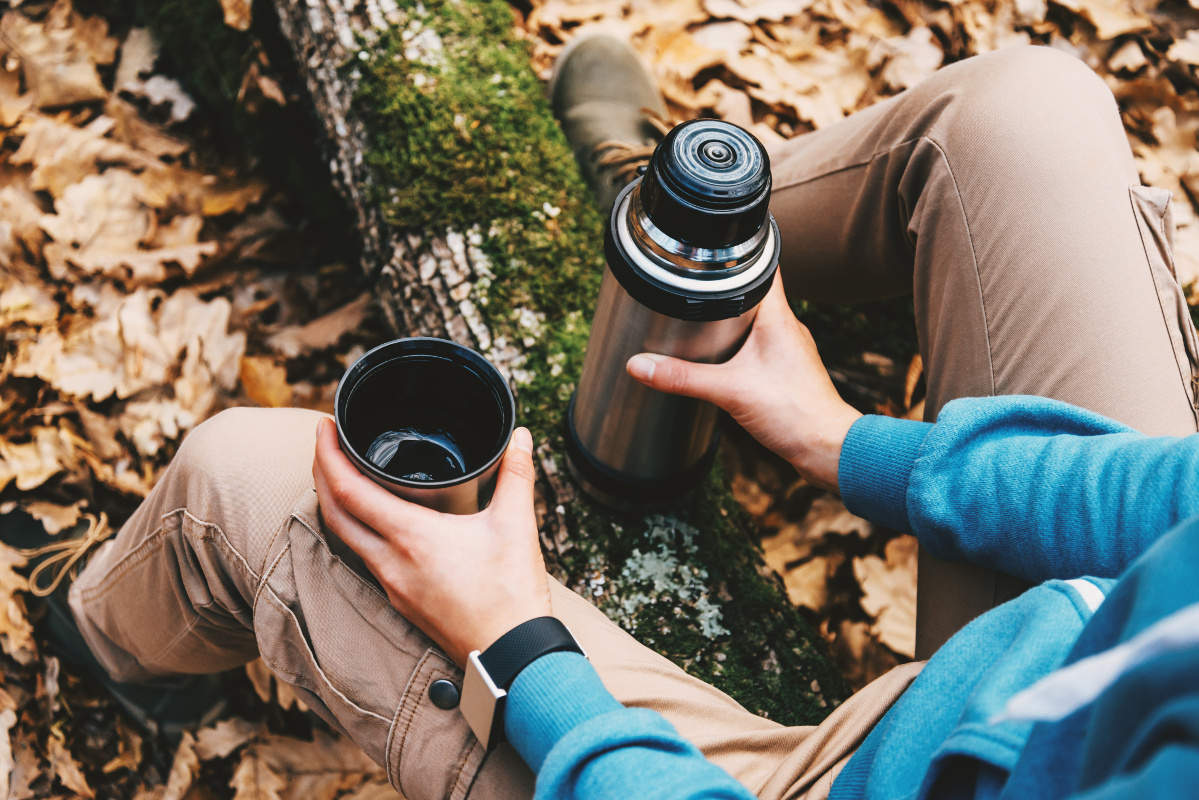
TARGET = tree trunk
(476,226)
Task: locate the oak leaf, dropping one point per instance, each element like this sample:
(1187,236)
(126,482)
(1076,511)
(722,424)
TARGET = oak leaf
(65,767)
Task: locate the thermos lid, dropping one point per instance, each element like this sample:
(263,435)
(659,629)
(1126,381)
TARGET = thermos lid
(708,184)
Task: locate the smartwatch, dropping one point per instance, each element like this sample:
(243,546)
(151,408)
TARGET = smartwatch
(490,673)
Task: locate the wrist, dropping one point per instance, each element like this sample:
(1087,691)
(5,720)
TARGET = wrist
(817,456)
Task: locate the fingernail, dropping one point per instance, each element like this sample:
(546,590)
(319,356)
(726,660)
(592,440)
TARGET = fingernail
(522,440)
(641,366)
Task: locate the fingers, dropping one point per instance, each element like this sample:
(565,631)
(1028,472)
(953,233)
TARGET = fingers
(514,485)
(354,493)
(370,547)
(676,376)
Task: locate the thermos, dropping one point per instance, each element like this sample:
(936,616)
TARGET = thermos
(691,251)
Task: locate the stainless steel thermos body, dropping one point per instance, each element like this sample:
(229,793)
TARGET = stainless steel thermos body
(691,250)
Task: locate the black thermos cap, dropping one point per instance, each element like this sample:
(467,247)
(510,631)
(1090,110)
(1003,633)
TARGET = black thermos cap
(708,184)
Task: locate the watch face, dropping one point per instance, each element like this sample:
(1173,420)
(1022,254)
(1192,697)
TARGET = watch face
(482,702)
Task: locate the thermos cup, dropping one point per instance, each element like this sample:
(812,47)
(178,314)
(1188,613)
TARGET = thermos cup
(691,251)
(427,419)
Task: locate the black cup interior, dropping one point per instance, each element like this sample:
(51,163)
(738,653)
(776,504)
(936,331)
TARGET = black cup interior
(443,411)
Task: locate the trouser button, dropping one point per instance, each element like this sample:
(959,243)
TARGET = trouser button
(444,694)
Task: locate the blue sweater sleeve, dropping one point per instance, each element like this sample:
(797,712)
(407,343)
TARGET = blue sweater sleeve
(582,743)
(1034,487)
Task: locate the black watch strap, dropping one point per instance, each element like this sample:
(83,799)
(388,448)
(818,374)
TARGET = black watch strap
(524,644)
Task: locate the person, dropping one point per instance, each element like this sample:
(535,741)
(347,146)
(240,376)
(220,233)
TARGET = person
(1001,191)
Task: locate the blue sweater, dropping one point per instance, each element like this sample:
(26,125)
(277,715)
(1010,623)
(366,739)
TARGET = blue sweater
(1082,686)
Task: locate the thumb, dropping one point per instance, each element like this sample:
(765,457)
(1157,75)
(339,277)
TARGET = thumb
(514,485)
(676,376)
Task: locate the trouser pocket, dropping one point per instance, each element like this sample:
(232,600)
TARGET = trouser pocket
(330,632)
(1152,209)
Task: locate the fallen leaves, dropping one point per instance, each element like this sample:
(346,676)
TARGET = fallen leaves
(66,769)
(889,594)
(145,284)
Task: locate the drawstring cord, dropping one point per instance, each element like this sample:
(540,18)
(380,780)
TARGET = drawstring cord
(66,553)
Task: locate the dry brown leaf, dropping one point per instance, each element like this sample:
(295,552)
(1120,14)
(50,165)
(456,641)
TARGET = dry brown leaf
(150,424)
(725,37)
(102,212)
(911,58)
(755,10)
(29,303)
(237,13)
(62,154)
(100,226)
(912,379)
(13,104)
(889,593)
(129,750)
(16,634)
(557,15)
(138,54)
(66,769)
(57,66)
(262,678)
(20,224)
(316,770)
(1129,57)
(265,381)
(1185,51)
(100,431)
(8,719)
(231,199)
(807,584)
(160,90)
(53,516)
(30,464)
(130,128)
(130,347)
(681,57)
(26,770)
(221,739)
(373,790)
(1111,18)
(323,332)
(254,779)
(183,769)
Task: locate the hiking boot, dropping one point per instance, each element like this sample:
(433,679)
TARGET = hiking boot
(610,110)
(167,705)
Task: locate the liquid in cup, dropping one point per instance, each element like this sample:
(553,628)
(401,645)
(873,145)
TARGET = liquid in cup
(428,419)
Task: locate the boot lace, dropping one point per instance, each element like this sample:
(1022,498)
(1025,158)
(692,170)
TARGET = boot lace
(625,159)
(64,555)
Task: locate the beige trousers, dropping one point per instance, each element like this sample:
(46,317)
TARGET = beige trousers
(1002,190)
(1002,194)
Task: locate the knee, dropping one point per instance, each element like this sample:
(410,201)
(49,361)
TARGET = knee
(1027,107)
(1030,81)
(211,444)
(250,446)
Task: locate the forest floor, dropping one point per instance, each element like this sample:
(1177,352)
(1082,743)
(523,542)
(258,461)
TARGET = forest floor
(153,275)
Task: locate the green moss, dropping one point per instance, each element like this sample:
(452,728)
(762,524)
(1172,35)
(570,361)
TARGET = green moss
(462,138)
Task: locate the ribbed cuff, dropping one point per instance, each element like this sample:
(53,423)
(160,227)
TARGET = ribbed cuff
(549,698)
(876,463)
